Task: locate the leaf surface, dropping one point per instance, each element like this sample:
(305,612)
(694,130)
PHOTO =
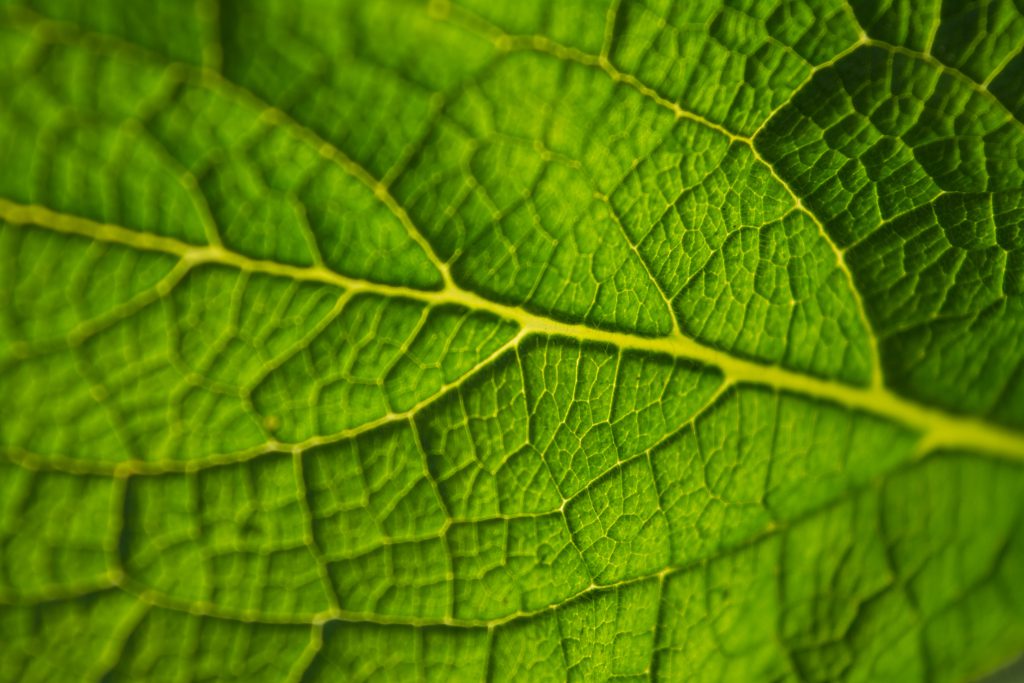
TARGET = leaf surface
(511,340)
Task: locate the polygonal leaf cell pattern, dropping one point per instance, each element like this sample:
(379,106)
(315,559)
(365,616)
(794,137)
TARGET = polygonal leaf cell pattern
(511,340)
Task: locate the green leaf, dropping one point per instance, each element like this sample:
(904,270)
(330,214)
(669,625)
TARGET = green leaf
(511,340)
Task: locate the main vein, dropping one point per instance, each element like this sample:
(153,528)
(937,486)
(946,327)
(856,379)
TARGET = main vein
(938,428)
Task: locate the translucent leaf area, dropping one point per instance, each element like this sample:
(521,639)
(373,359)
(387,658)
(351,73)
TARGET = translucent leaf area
(511,340)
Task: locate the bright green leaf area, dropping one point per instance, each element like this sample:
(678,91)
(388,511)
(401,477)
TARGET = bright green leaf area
(511,340)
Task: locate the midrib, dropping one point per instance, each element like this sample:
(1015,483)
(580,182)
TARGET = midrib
(938,428)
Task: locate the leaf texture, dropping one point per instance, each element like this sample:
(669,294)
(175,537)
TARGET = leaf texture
(511,340)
